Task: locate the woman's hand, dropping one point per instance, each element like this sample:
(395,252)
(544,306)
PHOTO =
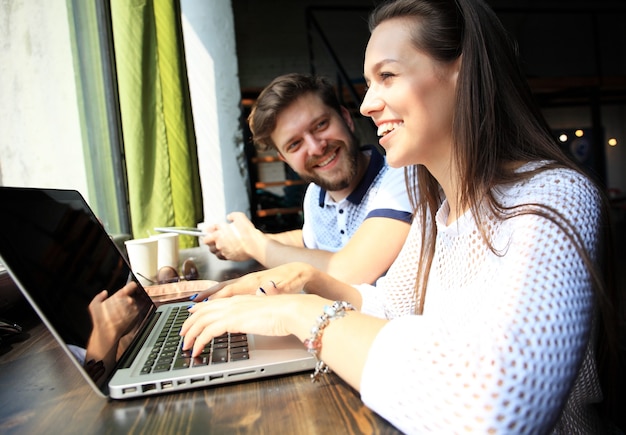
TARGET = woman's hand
(275,316)
(347,340)
(288,278)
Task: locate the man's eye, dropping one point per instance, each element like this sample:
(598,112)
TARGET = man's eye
(293,145)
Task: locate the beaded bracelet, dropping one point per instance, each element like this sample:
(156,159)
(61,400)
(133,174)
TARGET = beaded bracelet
(314,344)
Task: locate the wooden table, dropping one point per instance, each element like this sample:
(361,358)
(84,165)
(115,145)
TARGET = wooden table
(42,392)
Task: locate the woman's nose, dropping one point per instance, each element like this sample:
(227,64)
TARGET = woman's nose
(371,103)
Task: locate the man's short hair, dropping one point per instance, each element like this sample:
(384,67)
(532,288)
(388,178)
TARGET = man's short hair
(278,95)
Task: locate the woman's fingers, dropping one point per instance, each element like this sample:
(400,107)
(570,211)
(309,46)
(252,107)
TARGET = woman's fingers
(270,288)
(243,313)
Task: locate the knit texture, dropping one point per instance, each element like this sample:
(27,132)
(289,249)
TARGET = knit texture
(504,344)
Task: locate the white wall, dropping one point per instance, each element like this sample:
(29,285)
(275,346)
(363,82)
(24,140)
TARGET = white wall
(40,136)
(209,34)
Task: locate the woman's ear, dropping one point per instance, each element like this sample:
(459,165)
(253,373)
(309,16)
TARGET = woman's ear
(456,65)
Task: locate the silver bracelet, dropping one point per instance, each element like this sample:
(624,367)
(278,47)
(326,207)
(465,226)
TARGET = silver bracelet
(314,344)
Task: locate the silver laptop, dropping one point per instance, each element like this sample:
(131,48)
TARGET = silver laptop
(61,258)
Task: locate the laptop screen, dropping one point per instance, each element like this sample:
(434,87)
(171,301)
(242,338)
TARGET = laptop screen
(61,256)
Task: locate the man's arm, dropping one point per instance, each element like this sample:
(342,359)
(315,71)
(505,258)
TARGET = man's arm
(289,238)
(367,256)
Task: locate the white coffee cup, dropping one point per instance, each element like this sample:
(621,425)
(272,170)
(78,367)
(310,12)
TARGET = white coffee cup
(143,257)
(167,250)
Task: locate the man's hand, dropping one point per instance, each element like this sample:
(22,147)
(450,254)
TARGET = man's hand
(233,241)
(112,316)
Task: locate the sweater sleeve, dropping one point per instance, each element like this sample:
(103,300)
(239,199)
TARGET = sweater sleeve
(372,300)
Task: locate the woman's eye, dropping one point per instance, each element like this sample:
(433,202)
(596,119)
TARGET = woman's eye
(385,75)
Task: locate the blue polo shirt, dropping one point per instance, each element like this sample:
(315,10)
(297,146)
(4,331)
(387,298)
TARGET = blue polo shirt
(328,225)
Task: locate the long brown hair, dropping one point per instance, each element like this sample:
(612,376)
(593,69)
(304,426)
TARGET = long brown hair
(496,125)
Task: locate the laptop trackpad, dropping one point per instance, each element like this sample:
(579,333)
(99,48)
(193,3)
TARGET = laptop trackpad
(262,342)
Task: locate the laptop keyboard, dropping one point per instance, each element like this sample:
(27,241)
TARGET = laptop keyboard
(167,353)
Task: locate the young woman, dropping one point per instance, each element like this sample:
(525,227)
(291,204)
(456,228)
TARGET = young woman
(490,318)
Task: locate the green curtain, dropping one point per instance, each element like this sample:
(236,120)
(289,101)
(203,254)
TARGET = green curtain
(157,125)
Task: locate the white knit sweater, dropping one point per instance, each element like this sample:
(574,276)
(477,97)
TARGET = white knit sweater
(502,337)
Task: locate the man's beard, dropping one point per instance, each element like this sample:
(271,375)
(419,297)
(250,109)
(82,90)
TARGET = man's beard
(351,154)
